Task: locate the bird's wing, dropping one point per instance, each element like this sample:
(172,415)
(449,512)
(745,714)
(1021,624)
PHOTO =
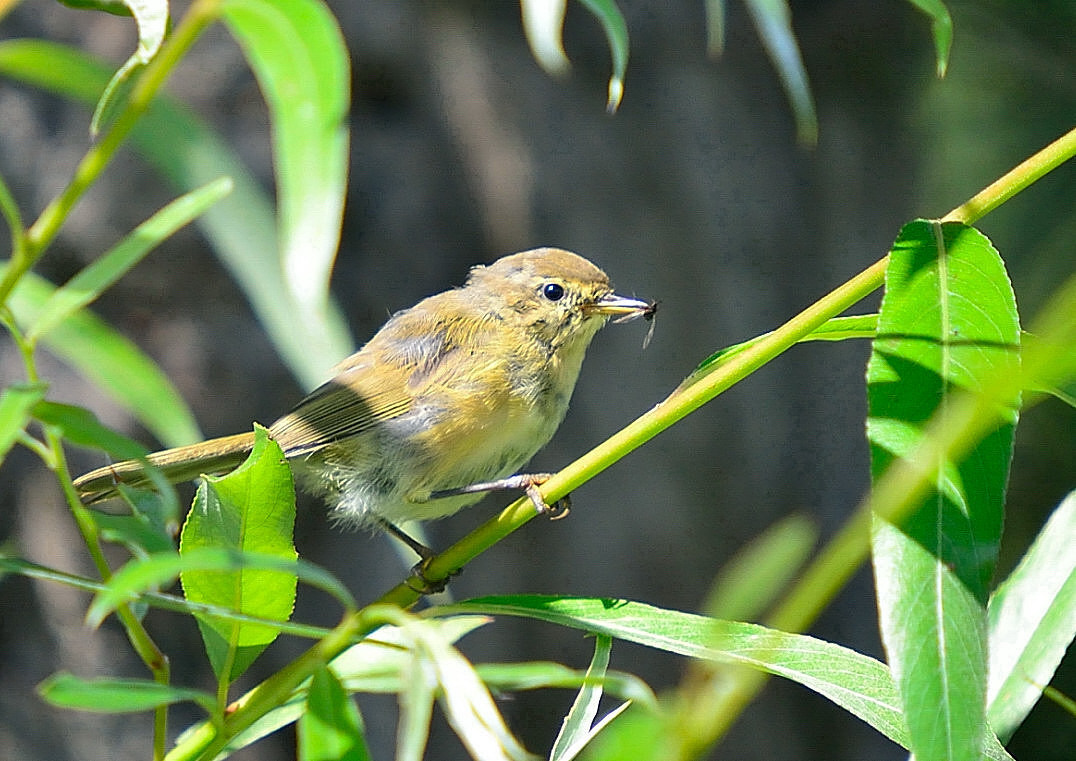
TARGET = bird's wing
(353,402)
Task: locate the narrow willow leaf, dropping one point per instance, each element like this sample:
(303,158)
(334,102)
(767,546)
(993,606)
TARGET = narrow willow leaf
(773,20)
(154,599)
(151,16)
(844,328)
(941,27)
(616,34)
(576,729)
(140,576)
(16,411)
(948,322)
(436,667)
(111,362)
(242,228)
(115,695)
(115,7)
(1032,621)
(857,683)
(252,509)
(533,675)
(543,25)
(80,426)
(87,285)
(142,536)
(373,665)
(298,54)
(834,329)
(330,728)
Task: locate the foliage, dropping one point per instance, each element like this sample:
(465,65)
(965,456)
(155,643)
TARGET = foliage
(949,373)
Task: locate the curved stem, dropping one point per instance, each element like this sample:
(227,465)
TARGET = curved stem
(827,575)
(38,237)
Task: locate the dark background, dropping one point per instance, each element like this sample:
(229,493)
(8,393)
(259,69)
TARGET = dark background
(695,193)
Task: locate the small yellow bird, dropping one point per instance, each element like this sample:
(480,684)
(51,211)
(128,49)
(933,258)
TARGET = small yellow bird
(445,402)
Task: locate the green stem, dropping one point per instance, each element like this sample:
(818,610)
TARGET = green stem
(1016,179)
(208,741)
(10,210)
(823,579)
(37,239)
(28,248)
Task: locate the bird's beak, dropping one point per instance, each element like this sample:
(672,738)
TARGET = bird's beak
(623,308)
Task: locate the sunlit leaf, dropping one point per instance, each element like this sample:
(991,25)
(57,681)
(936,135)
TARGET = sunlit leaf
(543,25)
(941,28)
(298,54)
(577,729)
(16,408)
(773,20)
(616,33)
(330,728)
(151,16)
(250,510)
(91,282)
(111,361)
(242,228)
(948,322)
(857,683)
(115,695)
(1032,621)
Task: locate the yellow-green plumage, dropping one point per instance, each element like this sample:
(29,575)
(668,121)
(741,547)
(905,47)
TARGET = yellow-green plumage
(463,388)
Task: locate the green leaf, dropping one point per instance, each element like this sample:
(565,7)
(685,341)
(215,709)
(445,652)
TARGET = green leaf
(91,282)
(241,228)
(110,361)
(80,426)
(373,665)
(834,329)
(533,675)
(160,600)
(857,683)
(114,7)
(941,27)
(331,728)
(543,25)
(948,321)
(578,727)
(773,20)
(616,34)
(1032,621)
(252,509)
(139,535)
(300,59)
(437,668)
(844,328)
(16,411)
(151,16)
(115,695)
(140,576)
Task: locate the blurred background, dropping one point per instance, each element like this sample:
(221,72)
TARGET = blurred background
(695,193)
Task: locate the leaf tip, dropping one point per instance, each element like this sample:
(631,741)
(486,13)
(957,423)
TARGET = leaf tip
(616,94)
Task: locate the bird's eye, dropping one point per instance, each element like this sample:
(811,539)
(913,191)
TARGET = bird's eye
(553,291)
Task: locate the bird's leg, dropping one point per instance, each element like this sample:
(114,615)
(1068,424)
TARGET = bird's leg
(419,548)
(418,571)
(528,482)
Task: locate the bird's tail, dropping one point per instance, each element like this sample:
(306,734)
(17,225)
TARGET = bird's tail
(181,464)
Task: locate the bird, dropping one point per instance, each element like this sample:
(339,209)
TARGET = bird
(447,401)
